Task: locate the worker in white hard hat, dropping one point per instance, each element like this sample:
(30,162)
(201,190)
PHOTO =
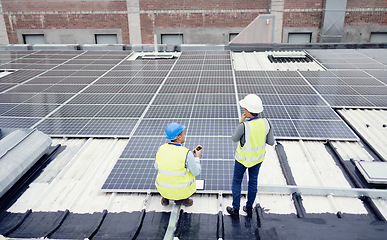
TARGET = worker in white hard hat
(177,167)
(252,134)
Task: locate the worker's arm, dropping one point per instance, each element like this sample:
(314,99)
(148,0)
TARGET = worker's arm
(193,164)
(270,135)
(239,132)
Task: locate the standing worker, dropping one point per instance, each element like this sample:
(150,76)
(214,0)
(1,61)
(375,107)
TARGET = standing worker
(252,136)
(177,167)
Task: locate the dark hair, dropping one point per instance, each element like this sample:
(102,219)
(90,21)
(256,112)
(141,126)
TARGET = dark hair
(254,114)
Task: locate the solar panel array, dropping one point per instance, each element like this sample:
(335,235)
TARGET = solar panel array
(102,94)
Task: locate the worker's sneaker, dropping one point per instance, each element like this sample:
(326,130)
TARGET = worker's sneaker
(248,210)
(164,202)
(232,211)
(186,202)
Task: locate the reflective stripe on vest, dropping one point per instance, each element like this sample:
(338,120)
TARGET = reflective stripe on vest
(247,148)
(175,186)
(176,174)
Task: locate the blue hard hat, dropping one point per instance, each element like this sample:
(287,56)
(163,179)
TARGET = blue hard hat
(173,130)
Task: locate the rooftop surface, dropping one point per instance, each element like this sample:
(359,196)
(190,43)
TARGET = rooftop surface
(106,111)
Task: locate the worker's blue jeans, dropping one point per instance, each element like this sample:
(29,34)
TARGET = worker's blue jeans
(239,170)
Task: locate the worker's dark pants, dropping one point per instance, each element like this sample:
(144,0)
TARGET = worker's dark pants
(239,170)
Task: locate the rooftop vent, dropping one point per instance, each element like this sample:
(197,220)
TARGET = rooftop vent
(289,57)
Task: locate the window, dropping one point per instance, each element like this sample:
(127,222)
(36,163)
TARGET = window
(33,39)
(299,37)
(106,39)
(231,36)
(172,39)
(378,37)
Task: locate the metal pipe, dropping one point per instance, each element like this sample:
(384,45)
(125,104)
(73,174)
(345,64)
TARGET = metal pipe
(268,7)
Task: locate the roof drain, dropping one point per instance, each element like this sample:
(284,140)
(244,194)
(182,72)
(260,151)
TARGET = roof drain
(297,199)
(368,202)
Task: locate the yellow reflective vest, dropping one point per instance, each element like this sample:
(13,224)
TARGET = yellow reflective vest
(253,152)
(174,181)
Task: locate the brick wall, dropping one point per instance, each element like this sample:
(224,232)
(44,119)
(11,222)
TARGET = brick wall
(366,3)
(354,18)
(63,5)
(149,22)
(66,21)
(304,4)
(154,5)
(302,19)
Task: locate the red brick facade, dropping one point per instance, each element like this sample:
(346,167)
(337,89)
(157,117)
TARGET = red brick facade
(161,14)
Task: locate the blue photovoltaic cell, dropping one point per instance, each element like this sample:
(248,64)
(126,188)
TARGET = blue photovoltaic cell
(132,174)
(12,122)
(217,175)
(283,129)
(212,127)
(325,129)
(30,110)
(172,99)
(116,111)
(108,127)
(169,111)
(311,112)
(213,147)
(214,111)
(142,147)
(156,127)
(62,126)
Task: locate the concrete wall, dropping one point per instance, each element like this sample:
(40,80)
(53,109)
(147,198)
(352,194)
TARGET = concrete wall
(361,34)
(3,29)
(213,36)
(69,36)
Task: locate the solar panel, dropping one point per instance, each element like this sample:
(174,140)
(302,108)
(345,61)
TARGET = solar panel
(179,89)
(116,111)
(253,80)
(214,111)
(326,81)
(62,126)
(212,127)
(142,147)
(283,128)
(378,101)
(216,80)
(44,98)
(182,80)
(294,90)
(156,127)
(276,112)
(6,107)
(64,88)
(216,88)
(337,90)
(109,127)
(213,147)
(12,122)
(123,98)
(217,99)
(103,89)
(370,90)
(369,81)
(256,89)
(311,112)
(4,87)
(288,81)
(139,89)
(68,111)
(30,88)
(172,99)
(113,80)
(325,129)
(302,100)
(169,111)
(132,174)
(92,98)
(352,101)
(15,97)
(30,110)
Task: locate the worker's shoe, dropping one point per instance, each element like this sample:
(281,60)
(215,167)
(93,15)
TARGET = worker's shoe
(232,211)
(186,202)
(248,210)
(164,202)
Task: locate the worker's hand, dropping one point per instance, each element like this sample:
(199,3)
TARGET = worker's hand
(198,153)
(243,118)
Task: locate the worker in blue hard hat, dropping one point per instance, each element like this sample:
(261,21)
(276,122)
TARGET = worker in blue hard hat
(177,167)
(252,136)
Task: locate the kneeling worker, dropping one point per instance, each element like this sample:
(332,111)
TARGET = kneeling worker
(177,167)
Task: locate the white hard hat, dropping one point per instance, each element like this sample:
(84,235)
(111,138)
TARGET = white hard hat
(252,103)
